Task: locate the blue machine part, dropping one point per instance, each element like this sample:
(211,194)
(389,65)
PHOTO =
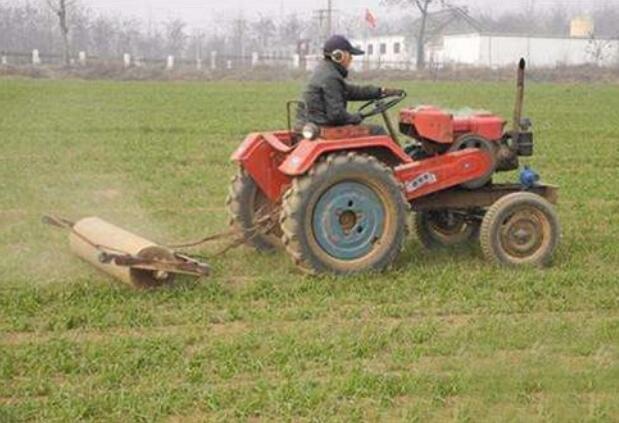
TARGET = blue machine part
(528,177)
(348,219)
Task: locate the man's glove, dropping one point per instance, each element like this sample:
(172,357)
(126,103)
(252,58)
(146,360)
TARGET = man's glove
(355,119)
(388,92)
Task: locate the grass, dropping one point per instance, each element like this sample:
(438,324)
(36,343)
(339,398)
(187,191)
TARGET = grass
(444,336)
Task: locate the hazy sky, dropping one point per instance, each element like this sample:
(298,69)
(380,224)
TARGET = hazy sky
(201,12)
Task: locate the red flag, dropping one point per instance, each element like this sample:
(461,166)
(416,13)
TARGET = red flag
(370,18)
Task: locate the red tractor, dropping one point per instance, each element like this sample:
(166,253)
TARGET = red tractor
(337,198)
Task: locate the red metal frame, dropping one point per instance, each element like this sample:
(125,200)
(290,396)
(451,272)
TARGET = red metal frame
(261,154)
(307,152)
(272,162)
(442,127)
(343,132)
(441,172)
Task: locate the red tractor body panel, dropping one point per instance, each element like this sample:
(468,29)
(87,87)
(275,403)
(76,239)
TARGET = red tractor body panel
(307,152)
(272,162)
(261,155)
(442,127)
(441,172)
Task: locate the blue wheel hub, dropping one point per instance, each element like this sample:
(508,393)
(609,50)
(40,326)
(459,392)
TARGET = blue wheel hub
(348,219)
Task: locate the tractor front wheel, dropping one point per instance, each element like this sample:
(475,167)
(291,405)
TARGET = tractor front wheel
(443,228)
(347,215)
(249,210)
(520,229)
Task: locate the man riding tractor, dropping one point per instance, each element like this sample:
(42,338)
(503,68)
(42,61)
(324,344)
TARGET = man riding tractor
(336,196)
(326,96)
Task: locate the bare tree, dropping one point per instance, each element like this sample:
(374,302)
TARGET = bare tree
(423,6)
(606,16)
(81,22)
(103,33)
(600,50)
(291,29)
(427,29)
(264,29)
(60,8)
(176,38)
(557,20)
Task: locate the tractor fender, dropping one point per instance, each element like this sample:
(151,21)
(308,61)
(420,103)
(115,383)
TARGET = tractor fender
(307,152)
(243,150)
(260,155)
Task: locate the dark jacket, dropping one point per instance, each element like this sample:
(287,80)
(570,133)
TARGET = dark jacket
(327,94)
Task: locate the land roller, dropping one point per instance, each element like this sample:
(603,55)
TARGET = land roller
(133,260)
(337,199)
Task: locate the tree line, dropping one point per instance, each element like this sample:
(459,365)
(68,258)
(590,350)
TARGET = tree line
(64,27)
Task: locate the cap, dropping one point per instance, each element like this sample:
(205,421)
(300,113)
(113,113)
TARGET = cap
(339,42)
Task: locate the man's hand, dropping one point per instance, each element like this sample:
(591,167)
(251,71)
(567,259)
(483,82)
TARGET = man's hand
(388,92)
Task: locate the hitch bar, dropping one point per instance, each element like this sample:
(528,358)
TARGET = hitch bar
(182,265)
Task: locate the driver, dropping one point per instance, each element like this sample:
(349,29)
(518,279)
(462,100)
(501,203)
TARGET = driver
(327,92)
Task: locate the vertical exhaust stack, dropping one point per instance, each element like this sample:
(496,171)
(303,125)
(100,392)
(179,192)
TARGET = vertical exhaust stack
(519,98)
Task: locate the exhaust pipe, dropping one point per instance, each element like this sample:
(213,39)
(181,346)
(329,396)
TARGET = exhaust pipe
(519,98)
(520,135)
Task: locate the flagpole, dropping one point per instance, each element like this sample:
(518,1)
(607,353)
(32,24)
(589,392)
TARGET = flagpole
(365,43)
(369,21)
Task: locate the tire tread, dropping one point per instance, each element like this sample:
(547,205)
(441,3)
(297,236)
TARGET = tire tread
(300,189)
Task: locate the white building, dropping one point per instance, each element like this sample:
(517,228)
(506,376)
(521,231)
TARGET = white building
(498,50)
(384,52)
(487,50)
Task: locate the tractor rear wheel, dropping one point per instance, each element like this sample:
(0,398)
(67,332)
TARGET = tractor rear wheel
(520,229)
(248,207)
(347,215)
(443,228)
(475,141)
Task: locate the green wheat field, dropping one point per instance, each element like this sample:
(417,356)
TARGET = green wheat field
(444,336)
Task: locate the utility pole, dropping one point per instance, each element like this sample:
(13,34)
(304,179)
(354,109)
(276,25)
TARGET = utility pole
(199,36)
(150,19)
(239,33)
(325,20)
(329,17)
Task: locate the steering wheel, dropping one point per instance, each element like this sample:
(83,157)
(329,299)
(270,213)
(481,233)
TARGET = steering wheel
(380,105)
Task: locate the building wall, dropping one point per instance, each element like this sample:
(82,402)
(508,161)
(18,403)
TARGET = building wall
(504,50)
(386,52)
(463,49)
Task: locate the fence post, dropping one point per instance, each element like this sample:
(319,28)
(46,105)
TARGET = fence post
(36,59)
(127,59)
(255,57)
(170,63)
(296,61)
(4,60)
(82,58)
(213,60)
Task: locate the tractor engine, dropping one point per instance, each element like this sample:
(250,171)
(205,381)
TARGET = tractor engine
(437,131)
